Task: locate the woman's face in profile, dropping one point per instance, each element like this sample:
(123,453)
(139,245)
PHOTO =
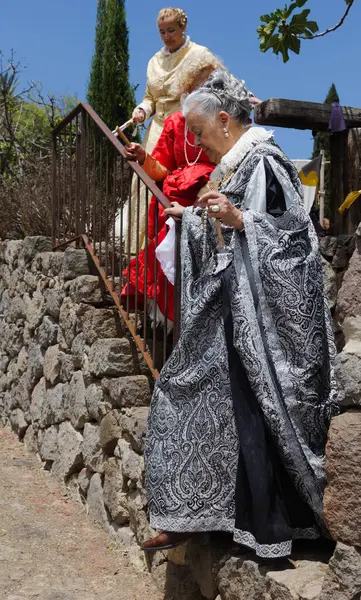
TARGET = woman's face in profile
(208,135)
(172,34)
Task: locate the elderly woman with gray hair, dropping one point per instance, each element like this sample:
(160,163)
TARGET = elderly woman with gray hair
(240,412)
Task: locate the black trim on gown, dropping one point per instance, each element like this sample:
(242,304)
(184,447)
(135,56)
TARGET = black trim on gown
(267,504)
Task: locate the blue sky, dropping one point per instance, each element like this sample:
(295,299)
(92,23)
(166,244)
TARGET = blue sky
(56,40)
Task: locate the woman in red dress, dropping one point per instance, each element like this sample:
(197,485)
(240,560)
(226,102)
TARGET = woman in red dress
(183,170)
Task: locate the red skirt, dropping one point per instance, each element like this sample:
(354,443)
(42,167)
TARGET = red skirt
(181,186)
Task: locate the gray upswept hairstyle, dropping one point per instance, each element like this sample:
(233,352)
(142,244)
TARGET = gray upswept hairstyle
(220,92)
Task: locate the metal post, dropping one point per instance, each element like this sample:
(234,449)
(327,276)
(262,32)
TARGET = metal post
(321,193)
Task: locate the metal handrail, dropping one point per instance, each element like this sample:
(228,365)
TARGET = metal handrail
(117,145)
(87,162)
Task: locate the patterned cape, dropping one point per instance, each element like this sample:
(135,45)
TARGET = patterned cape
(282,334)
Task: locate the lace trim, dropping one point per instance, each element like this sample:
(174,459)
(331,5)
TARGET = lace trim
(254,135)
(192,524)
(189,524)
(262,550)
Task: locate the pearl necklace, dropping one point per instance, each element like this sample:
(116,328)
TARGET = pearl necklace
(186,141)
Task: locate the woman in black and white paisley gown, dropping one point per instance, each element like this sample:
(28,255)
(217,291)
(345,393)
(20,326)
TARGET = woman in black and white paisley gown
(239,415)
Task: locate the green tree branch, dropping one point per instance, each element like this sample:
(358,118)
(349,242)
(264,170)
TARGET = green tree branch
(282,30)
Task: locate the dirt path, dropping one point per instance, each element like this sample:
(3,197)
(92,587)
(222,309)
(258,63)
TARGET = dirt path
(49,549)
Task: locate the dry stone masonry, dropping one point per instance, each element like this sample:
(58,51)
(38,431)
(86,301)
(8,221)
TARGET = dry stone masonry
(76,391)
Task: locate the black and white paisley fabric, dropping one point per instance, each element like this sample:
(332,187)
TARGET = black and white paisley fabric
(284,340)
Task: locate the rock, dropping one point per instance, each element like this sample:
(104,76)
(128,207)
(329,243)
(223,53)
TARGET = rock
(95,500)
(329,282)
(303,582)
(177,556)
(38,398)
(128,391)
(18,422)
(22,360)
(75,263)
(139,523)
(351,327)
(349,302)
(328,245)
(10,402)
(5,304)
(134,426)
(48,263)
(12,373)
(3,383)
(242,579)
(52,364)
(132,463)
(100,323)
(111,357)
(35,363)
(342,508)
(68,458)
(4,361)
(30,282)
(77,407)
(78,349)
(122,534)
(72,486)
(55,406)
(49,444)
(17,310)
(84,481)
(33,245)
(22,392)
(12,251)
(180,584)
(86,288)
(12,339)
(56,263)
(204,560)
(92,450)
(67,323)
(58,366)
(348,373)
(344,251)
(47,333)
(53,301)
(110,431)
(30,440)
(35,310)
(115,496)
(94,400)
(343,578)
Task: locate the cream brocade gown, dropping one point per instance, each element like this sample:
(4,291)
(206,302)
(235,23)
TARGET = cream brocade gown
(162,98)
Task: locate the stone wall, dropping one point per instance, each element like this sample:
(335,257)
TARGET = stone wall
(74,387)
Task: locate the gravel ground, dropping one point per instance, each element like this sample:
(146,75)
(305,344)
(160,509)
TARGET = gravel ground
(49,548)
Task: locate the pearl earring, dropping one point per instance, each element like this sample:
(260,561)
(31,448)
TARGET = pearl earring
(226,134)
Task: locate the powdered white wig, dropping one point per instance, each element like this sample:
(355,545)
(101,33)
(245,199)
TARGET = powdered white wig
(220,92)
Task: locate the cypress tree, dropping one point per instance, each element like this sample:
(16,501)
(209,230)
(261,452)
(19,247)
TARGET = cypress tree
(110,92)
(322,142)
(94,93)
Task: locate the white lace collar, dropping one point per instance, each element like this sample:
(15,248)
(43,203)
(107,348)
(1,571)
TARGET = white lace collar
(185,45)
(254,135)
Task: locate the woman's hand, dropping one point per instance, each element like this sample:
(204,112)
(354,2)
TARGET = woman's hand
(175,211)
(135,152)
(229,214)
(255,101)
(138,115)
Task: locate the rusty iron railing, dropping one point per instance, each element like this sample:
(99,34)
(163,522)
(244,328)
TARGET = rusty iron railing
(91,183)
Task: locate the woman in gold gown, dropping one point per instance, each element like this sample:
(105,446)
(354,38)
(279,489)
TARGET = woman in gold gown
(166,69)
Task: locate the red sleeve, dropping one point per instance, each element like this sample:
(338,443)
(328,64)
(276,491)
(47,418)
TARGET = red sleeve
(164,149)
